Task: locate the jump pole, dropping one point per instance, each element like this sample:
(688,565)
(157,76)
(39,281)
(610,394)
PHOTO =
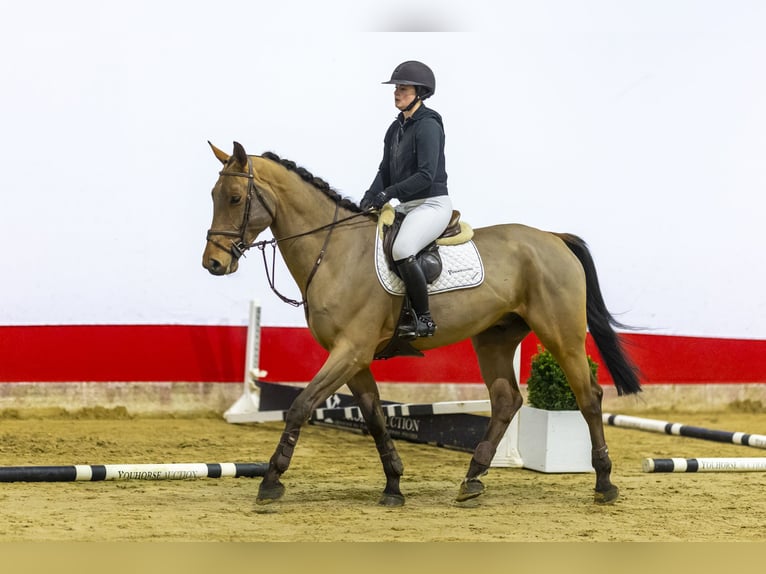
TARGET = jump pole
(703,464)
(85,472)
(393,410)
(678,429)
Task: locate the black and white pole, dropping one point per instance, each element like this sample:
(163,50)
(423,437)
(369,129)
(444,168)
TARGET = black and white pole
(392,410)
(703,464)
(678,429)
(85,472)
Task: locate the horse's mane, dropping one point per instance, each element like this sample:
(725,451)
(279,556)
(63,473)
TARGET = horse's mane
(317,182)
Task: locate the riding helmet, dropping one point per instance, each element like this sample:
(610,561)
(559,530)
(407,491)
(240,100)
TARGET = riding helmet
(414,73)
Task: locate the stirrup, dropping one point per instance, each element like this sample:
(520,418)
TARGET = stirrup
(423,326)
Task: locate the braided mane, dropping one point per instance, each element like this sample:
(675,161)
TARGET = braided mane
(317,182)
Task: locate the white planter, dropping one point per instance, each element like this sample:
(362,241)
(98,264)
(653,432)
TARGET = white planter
(554,441)
(507,454)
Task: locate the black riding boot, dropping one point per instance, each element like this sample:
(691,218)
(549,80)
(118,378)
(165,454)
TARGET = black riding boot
(417,289)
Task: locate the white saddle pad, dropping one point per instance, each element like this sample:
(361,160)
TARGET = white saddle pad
(461,269)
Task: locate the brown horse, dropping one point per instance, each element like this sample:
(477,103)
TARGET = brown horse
(534,281)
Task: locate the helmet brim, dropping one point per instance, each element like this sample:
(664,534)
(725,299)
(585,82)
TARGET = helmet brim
(404,83)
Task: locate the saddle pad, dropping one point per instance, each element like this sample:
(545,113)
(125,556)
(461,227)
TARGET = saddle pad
(461,269)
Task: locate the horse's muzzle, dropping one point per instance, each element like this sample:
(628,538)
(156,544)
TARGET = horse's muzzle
(216,267)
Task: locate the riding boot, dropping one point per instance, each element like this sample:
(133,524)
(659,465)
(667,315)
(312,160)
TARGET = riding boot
(417,289)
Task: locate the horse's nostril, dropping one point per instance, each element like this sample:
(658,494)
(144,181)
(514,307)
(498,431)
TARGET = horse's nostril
(214,266)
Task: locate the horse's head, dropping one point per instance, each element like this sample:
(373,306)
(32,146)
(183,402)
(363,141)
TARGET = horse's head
(242,208)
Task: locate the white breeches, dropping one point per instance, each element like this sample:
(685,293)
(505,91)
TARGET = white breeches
(424,221)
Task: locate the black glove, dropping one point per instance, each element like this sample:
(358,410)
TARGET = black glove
(376,201)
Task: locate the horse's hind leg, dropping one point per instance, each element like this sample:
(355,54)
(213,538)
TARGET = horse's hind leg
(588,394)
(366,392)
(495,349)
(605,491)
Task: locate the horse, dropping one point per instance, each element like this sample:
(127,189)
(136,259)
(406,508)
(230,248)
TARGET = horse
(535,281)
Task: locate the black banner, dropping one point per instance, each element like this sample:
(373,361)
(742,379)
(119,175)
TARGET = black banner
(459,431)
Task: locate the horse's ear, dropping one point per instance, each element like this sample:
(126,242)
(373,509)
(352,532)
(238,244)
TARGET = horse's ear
(240,154)
(222,156)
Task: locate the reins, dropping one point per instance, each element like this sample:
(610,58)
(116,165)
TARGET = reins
(239,247)
(270,277)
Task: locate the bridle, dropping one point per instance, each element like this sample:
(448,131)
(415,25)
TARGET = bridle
(240,246)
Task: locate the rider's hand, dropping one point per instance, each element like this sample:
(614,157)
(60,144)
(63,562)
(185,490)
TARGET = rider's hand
(379,199)
(375,201)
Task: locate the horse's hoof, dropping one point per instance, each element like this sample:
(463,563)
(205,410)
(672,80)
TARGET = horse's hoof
(391,500)
(268,494)
(470,489)
(608,496)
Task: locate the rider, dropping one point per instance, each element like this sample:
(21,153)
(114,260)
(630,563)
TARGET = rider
(413,172)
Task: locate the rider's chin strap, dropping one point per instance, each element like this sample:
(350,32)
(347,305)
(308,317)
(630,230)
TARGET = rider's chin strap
(412,104)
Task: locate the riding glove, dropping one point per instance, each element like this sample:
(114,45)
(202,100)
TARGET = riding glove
(376,201)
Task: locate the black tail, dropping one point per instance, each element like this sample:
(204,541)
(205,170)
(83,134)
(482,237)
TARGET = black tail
(600,322)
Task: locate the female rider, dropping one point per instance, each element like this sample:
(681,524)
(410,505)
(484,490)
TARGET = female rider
(413,172)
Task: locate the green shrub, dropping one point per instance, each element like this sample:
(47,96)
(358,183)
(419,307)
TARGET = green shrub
(547,387)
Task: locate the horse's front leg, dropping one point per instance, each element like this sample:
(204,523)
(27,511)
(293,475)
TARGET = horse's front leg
(340,366)
(366,393)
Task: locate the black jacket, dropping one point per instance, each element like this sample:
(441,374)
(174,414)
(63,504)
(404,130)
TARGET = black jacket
(413,158)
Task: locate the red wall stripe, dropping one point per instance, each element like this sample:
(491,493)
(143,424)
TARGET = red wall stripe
(198,353)
(122,353)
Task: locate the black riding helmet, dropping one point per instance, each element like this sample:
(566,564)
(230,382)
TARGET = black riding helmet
(414,73)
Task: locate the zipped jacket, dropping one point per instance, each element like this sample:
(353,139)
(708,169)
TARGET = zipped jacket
(413,158)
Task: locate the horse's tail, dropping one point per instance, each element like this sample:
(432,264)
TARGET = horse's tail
(600,322)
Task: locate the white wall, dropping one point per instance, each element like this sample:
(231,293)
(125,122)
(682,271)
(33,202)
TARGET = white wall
(640,126)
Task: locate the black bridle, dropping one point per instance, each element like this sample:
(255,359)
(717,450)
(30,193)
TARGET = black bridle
(238,248)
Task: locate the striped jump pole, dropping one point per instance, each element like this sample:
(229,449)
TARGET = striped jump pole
(98,472)
(390,410)
(678,429)
(703,464)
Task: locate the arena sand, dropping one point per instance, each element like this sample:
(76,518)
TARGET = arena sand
(335,479)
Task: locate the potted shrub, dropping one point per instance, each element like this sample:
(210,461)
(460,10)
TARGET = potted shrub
(553,435)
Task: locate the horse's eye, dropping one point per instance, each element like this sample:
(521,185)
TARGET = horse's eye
(235,199)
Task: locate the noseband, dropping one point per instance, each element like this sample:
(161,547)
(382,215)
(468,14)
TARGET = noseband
(238,247)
